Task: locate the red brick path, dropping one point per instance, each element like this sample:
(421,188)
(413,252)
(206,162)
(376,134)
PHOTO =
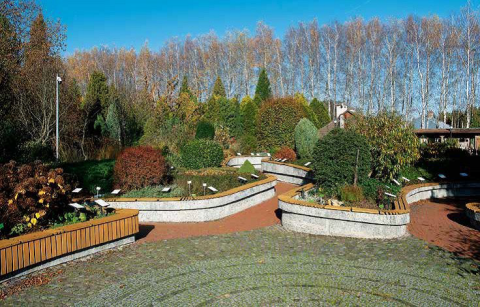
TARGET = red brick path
(443,222)
(259,216)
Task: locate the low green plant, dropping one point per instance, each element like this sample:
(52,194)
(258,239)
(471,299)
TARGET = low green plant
(156,191)
(351,193)
(18,229)
(247,167)
(92,174)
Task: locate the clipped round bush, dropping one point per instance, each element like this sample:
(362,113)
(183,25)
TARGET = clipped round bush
(335,159)
(205,130)
(277,119)
(285,153)
(201,153)
(306,137)
(247,167)
(139,167)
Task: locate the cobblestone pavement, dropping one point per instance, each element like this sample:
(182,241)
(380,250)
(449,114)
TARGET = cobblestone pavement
(268,266)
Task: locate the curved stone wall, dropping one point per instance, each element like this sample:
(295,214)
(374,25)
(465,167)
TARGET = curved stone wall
(366,223)
(238,161)
(473,212)
(287,172)
(202,208)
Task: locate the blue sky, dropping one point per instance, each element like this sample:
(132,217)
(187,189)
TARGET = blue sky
(130,23)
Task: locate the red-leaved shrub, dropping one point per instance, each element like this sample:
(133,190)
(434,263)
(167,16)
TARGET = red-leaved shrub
(285,153)
(139,167)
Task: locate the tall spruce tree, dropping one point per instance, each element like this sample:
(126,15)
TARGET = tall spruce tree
(320,110)
(263,90)
(218,89)
(184,89)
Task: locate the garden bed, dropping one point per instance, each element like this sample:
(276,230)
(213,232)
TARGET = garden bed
(31,252)
(473,212)
(308,217)
(222,179)
(314,218)
(288,172)
(199,208)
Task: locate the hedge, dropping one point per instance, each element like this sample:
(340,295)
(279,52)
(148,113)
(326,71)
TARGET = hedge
(201,153)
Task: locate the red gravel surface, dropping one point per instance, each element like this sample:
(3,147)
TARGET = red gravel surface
(443,222)
(259,216)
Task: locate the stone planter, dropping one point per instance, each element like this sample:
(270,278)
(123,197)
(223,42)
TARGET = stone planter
(473,212)
(287,172)
(202,208)
(238,161)
(302,216)
(31,252)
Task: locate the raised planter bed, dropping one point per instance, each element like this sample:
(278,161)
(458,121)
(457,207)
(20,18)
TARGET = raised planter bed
(238,161)
(287,172)
(473,212)
(313,218)
(302,216)
(31,252)
(201,208)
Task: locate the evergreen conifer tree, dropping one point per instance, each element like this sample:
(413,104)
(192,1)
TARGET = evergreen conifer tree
(263,90)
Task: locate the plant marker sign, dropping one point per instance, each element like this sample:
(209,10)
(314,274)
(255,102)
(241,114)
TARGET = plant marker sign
(307,164)
(166,189)
(390,194)
(464,174)
(283,160)
(242,179)
(213,189)
(406,179)
(239,154)
(396,182)
(115,192)
(421,178)
(76,206)
(442,176)
(254,176)
(77,190)
(102,203)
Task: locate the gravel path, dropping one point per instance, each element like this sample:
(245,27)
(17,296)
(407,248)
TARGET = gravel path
(268,266)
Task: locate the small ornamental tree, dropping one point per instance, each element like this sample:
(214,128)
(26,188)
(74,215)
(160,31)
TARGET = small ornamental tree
(205,130)
(339,157)
(263,90)
(321,111)
(249,117)
(306,137)
(139,167)
(393,143)
(201,153)
(276,123)
(247,168)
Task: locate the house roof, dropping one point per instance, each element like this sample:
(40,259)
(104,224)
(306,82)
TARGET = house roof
(430,123)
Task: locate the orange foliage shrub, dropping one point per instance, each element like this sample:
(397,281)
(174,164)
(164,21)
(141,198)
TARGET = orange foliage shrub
(31,194)
(285,153)
(139,167)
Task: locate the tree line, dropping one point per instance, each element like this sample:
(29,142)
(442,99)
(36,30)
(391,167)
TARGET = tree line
(116,97)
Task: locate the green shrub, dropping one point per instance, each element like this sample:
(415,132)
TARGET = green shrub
(205,130)
(248,143)
(350,193)
(306,137)
(393,143)
(92,174)
(277,119)
(247,167)
(335,159)
(321,111)
(202,153)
